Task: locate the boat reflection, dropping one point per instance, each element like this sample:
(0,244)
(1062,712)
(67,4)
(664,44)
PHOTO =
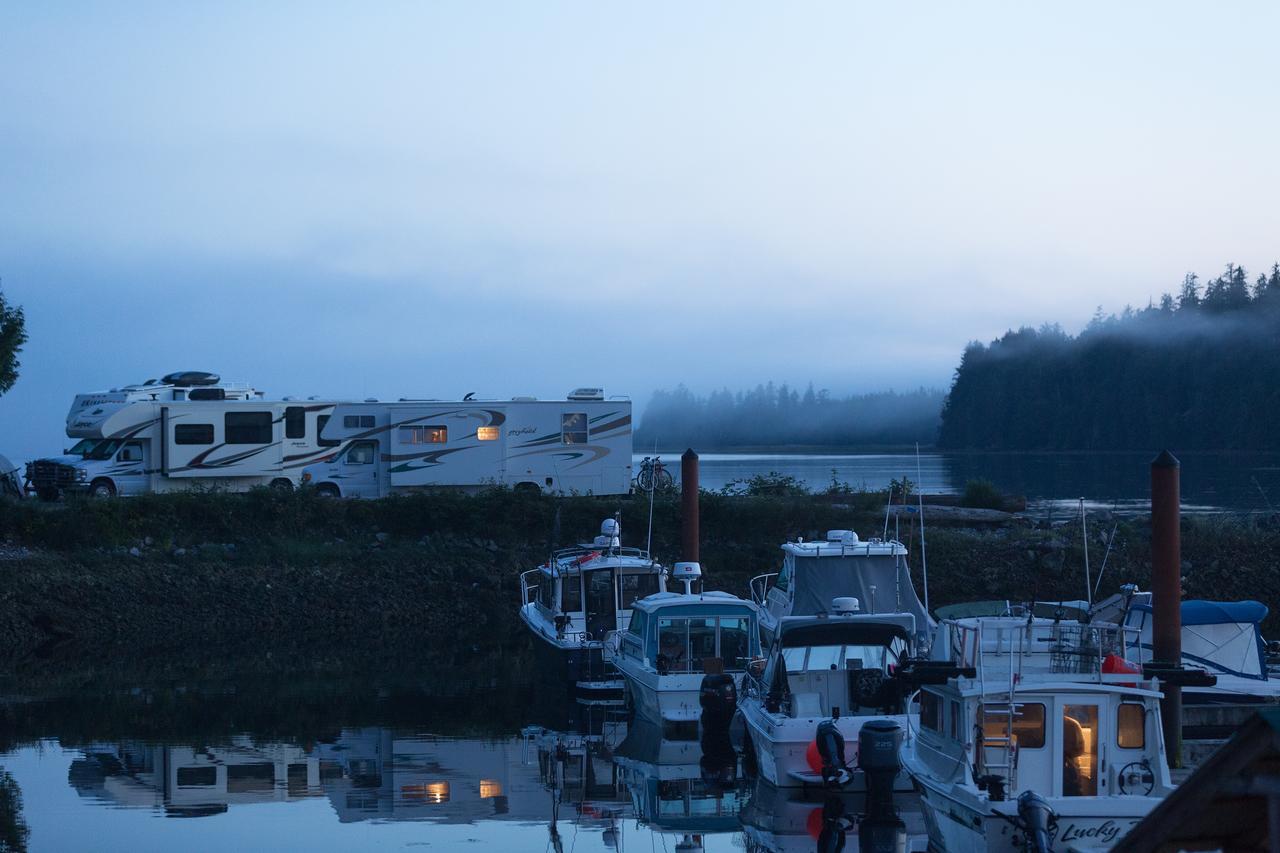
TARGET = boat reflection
(789,820)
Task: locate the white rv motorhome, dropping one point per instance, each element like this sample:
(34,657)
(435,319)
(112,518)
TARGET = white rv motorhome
(187,430)
(579,444)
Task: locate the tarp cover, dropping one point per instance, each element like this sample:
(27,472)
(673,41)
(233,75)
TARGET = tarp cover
(1196,612)
(818,580)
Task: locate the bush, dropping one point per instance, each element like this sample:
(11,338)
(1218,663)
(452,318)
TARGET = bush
(982,494)
(773,484)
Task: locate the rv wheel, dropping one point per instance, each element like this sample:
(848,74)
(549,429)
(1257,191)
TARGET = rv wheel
(327,490)
(102,489)
(282,485)
(527,488)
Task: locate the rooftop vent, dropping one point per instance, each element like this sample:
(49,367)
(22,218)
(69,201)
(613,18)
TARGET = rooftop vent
(587,394)
(842,537)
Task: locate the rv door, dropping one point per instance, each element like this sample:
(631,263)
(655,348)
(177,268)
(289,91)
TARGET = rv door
(359,470)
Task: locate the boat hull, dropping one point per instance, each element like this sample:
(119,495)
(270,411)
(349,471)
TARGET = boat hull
(581,666)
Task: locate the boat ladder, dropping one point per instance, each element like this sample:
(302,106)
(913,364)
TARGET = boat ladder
(999,680)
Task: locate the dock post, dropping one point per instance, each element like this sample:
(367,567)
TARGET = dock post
(1166,593)
(689,506)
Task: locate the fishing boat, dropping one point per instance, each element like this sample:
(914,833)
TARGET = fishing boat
(673,641)
(873,571)
(1049,742)
(577,597)
(824,677)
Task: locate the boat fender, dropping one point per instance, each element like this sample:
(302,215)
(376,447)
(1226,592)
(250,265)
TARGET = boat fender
(1038,821)
(835,772)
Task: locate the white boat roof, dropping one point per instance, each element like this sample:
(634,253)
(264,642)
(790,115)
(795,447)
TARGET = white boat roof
(660,600)
(846,546)
(974,687)
(906,621)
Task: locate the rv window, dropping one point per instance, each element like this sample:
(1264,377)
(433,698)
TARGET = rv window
(489,433)
(295,422)
(207,394)
(193,434)
(930,711)
(325,442)
(131,452)
(636,587)
(247,427)
(571,593)
(357,421)
(1028,723)
(1131,726)
(573,428)
(360,453)
(197,777)
(424,434)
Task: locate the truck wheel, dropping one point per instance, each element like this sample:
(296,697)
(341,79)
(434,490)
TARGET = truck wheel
(280,484)
(102,489)
(327,490)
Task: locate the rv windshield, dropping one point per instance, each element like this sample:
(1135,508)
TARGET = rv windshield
(104,450)
(82,447)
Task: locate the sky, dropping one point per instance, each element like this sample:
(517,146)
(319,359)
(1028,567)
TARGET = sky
(427,199)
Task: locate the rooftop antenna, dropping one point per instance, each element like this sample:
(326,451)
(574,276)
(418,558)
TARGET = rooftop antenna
(1084,538)
(653,487)
(888,504)
(924,561)
(1111,540)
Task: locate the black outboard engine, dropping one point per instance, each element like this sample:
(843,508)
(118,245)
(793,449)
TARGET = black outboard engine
(835,772)
(719,699)
(1038,821)
(879,742)
(719,761)
(835,825)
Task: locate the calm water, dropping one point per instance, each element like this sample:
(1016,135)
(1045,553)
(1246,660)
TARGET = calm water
(1238,482)
(168,768)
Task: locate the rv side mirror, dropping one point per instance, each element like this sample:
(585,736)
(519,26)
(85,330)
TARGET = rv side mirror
(66,450)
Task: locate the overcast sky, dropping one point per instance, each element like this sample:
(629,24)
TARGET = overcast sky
(520,198)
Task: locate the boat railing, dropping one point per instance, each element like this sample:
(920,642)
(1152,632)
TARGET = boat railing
(1036,648)
(602,550)
(760,585)
(524,585)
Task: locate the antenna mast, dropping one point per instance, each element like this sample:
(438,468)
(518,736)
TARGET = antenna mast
(924,561)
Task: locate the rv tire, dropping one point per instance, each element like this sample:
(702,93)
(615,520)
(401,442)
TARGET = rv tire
(103,488)
(327,490)
(527,488)
(281,484)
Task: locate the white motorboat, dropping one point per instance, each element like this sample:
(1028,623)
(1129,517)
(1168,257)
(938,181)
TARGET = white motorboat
(813,573)
(673,641)
(824,677)
(580,595)
(1045,747)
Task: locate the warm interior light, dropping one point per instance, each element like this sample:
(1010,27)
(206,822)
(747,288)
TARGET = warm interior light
(490,788)
(430,792)
(489,433)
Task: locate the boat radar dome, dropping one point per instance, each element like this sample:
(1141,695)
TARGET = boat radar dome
(845,606)
(687,573)
(844,537)
(610,533)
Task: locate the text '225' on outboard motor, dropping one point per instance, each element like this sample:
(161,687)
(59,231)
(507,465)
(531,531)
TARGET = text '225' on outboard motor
(1037,820)
(835,772)
(881,829)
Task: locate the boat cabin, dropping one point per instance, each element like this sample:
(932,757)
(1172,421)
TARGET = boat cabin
(838,664)
(675,633)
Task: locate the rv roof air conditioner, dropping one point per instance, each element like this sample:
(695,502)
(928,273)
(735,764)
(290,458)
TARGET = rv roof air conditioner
(587,394)
(187,378)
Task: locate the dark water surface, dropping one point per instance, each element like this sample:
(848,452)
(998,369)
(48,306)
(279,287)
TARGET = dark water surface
(1235,482)
(316,763)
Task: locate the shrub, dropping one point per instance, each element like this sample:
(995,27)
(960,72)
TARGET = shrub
(982,494)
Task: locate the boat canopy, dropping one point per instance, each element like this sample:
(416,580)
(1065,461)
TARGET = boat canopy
(820,579)
(1198,612)
(842,630)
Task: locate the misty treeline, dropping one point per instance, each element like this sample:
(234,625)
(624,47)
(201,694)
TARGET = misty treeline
(1199,370)
(775,415)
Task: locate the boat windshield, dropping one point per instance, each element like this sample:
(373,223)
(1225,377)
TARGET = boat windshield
(812,658)
(104,450)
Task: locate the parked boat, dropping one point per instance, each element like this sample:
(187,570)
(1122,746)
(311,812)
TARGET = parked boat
(1042,745)
(580,595)
(825,676)
(814,573)
(673,641)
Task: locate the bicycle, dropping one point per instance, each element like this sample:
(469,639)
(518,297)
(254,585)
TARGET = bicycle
(653,476)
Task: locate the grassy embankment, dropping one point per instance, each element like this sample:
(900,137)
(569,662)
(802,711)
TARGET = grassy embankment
(434,577)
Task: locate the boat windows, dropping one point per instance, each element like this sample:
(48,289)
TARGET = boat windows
(295,422)
(1131,728)
(360,453)
(1028,723)
(357,421)
(573,428)
(571,593)
(193,434)
(953,719)
(814,658)
(325,442)
(684,643)
(930,711)
(247,427)
(424,434)
(1079,750)
(735,641)
(635,587)
(639,621)
(783,581)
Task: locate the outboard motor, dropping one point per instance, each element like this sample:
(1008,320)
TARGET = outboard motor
(718,697)
(835,772)
(879,742)
(1038,821)
(719,761)
(835,825)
